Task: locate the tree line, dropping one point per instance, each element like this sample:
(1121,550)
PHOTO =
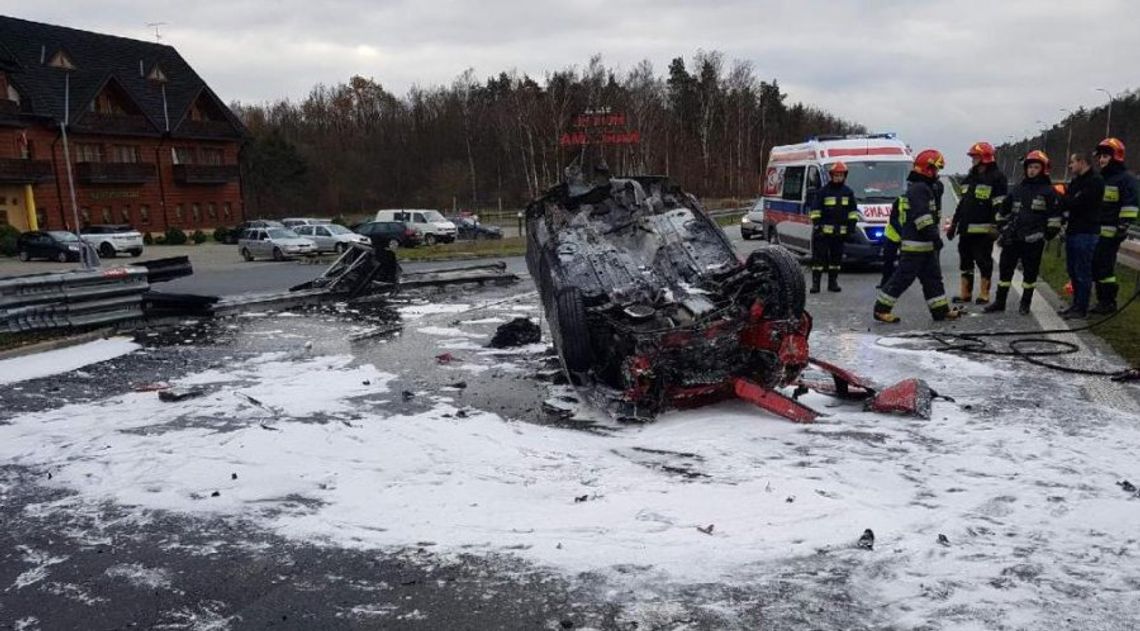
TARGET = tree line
(1079,132)
(355,147)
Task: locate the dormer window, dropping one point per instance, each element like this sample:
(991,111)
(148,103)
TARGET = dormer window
(157,75)
(61,60)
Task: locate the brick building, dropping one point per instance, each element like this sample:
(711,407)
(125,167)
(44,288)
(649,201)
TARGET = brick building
(150,143)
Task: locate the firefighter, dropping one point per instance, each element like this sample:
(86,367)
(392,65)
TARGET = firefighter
(1029,216)
(983,189)
(833,216)
(1081,202)
(919,243)
(891,239)
(1118,211)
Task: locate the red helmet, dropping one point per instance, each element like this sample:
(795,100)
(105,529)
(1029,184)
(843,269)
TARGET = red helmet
(1111,147)
(929,162)
(1038,156)
(984,151)
(837,167)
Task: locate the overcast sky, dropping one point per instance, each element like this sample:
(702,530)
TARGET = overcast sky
(942,74)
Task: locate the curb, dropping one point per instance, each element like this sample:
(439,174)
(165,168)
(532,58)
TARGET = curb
(58,343)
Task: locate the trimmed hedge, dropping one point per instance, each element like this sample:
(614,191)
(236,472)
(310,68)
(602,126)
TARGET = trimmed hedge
(199,237)
(8,236)
(174,236)
(220,234)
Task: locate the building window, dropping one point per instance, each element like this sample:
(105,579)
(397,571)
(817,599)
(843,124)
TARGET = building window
(178,213)
(88,152)
(85,215)
(41,218)
(61,60)
(125,214)
(212,211)
(227,210)
(182,155)
(196,213)
(3,217)
(210,155)
(124,153)
(106,214)
(144,214)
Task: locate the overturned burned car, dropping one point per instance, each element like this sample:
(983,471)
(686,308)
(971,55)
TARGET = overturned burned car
(650,307)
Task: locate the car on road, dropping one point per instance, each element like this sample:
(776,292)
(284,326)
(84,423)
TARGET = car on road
(293,222)
(110,239)
(470,228)
(431,225)
(752,223)
(330,237)
(276,243)
(234,235)
(54,245)
(389,231)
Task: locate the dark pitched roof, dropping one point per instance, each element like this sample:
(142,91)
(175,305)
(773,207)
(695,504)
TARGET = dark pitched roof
(26,47)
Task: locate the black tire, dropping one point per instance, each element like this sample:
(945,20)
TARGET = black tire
(429,239)
(341,247)
(573,331)
(24,256)
(246,254)
(278,255)
(61,257)
(106,250)
(136,253)
(788,277)
(745,235)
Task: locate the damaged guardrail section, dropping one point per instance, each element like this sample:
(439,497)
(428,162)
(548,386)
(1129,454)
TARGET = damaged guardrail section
(71,299)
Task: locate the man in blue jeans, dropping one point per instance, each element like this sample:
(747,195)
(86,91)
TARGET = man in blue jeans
(1081,204)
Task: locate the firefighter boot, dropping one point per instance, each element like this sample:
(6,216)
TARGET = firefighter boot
(965,291)
(1105,299)
(984,292)
(815,277)
(833,282)
(1026,301)
(999,302)
(883,314)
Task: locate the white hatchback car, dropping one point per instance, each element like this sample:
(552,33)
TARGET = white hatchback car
(277,243)
(331,237)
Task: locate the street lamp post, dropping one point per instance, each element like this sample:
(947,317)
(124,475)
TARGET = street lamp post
(1108,119)
(1069,141)
(1044,135)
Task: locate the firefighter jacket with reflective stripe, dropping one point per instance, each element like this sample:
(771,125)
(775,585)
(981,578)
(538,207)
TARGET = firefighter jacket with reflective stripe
(1081,203)
(1118,208)
(918,214)
(1031,212)
(983,190)
(833,211)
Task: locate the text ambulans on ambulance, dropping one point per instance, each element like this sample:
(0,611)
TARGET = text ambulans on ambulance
(877,164)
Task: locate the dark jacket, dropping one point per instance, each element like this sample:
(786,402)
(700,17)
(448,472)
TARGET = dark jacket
(1118,207)
(833,210)
(1081,203)
(1031,212)
(983,190)
(918,215)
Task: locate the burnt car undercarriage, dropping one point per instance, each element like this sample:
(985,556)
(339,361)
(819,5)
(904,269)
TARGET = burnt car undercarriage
(650,307)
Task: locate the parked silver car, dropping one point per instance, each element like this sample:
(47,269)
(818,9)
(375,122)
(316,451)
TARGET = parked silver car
(277,243)
(330,237)
(293,222)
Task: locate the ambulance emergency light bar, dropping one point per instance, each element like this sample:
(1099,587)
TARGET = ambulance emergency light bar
(889,135)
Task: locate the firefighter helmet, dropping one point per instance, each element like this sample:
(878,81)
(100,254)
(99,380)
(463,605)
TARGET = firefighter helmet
(984,151)
(929,162)
(837,167)
(1111,147)
(1039,157)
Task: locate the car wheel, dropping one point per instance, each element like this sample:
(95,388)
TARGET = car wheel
(341,247)
(24,256)
(772,235)
(107,251)
(393,245)
(136,253)
(246,254)
(429,239)
(747,236)
(790,289)
(61,257)
(575,336)
(278,255)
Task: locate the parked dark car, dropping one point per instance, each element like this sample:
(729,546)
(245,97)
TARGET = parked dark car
(390,230)
(470,229)
(52,245)
(233,235)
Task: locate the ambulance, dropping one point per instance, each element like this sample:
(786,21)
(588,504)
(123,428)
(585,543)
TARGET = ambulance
(878,165)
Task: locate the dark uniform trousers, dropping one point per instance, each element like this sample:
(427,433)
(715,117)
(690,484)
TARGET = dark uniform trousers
(976,249)
(924,267)
(890,259)
(827,253)
(1104,269)
(1029,254)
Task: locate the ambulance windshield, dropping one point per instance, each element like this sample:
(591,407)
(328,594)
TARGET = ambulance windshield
(877,181)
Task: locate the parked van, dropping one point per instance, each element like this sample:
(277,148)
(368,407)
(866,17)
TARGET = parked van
(878,165)
(431,225)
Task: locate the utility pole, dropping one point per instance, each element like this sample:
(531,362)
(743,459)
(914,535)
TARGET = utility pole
(1108,119)
(1045,135)
(1069,141)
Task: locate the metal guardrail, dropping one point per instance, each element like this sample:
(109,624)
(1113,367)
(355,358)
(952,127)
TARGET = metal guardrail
(71,299)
